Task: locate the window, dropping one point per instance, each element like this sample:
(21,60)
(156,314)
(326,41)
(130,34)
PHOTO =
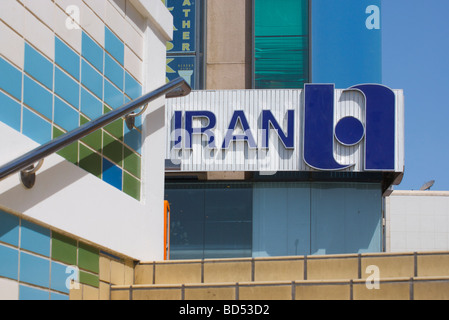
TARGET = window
(281,44)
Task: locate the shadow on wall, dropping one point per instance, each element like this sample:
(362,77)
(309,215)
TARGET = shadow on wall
(48,183)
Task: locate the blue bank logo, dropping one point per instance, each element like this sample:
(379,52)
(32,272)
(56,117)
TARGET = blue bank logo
(378,131)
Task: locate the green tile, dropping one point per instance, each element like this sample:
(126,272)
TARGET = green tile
(106,109)
(63,248)
(93,140)
(131,186)
(88,258)
(116,129)
(70,153)
(90,161)
(89,279)
(132,162)
(113,149)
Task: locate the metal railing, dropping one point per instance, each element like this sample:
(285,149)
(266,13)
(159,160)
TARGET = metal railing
(25,163)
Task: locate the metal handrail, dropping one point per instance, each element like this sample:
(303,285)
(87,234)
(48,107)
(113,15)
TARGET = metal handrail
(24,163)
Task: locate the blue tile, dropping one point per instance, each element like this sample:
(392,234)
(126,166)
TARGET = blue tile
(35,238)
(9,228)
(92,52)
(91,79)
(65,116)
(67,59)
(9,262)
(11,79)
(67,88)
(114,72)
(29,293)
(59,277)
(58,296)
(114,46)
(36,127)
(112,174)
(34,270)
(112,96)
(10,111)
(38,66)
(37,97)
(90,106)
(132,88)
(133,139)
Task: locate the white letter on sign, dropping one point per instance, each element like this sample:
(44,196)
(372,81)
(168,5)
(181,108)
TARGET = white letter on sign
(373,21)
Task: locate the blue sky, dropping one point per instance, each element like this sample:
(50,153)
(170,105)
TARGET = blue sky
(415,45)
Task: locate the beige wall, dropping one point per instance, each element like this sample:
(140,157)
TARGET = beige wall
(229,44)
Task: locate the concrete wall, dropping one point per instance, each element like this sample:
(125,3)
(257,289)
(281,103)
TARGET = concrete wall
(229,44)
(417,221)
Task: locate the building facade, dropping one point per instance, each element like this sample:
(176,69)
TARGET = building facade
(92,208)
(267,165)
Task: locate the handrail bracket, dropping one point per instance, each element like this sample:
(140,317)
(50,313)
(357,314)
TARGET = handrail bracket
(28,175)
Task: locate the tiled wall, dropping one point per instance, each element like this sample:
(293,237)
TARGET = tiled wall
(34,261)
(54,78)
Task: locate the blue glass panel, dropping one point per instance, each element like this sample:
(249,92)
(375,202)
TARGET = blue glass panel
(66,58)
(10,112)
(11,79)
(92,52)
(113,71)
(92,79)
(9,262)
(9,228)
(114,46)
(36,127)
(35,238)
(65,116)
(90,106)
(34,270)
(346,218)
(67,88)
(281,219)
(37,97)
(112,174)
(38,66)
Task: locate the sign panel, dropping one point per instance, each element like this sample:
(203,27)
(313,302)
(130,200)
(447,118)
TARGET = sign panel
(182,66)
(319,128)
(181,51)
(184,30)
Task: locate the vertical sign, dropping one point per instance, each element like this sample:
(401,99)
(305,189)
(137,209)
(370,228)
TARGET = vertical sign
(346,42)
(182,51)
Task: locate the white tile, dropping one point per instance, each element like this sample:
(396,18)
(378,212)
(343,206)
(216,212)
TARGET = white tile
(133,64)
(88,20)
(15,50)
(9,289)
(135,18)
(99,7)
(39,35)
(115,21)
(13,14)
(92,24)
(134,40)
(43,9)
(71,35)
